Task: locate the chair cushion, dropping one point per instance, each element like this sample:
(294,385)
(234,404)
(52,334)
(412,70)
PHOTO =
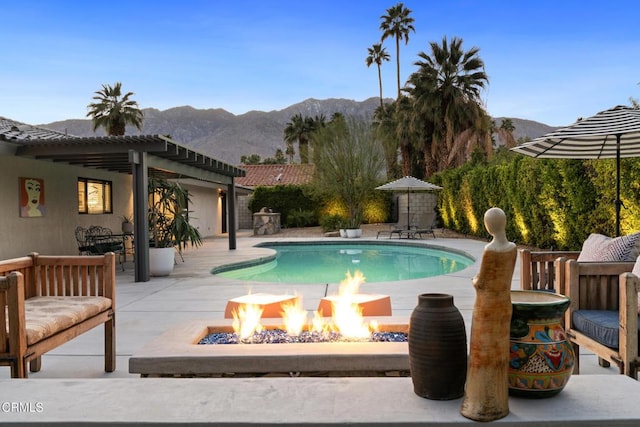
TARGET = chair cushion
(599,325)
(600,248)
(45,316)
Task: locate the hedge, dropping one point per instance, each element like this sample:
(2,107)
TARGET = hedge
(298,208)
(549,203)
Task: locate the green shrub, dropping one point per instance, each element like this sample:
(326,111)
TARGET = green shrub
(284,199)
(550,203)
(300,218)
(332,222)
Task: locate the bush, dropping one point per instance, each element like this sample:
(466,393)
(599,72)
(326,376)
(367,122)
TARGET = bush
(550,203)
(332,223)
(300,218)
(284,199)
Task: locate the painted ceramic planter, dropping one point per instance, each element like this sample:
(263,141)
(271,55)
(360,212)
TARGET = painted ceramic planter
(542,358)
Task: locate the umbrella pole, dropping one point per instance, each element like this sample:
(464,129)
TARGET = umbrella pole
(618,202)
(408,215)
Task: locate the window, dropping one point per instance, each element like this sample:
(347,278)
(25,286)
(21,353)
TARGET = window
(94,196)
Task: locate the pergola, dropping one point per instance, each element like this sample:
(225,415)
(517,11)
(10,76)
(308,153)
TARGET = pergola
(140,156)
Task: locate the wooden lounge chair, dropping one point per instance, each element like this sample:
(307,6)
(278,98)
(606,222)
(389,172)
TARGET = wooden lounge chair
(540,272)
(46,301)
(603,314)
(544,270)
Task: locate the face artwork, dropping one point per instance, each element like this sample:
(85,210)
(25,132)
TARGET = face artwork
(32,205)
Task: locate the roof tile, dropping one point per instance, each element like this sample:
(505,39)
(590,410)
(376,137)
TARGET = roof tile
(270,175)
(17,131)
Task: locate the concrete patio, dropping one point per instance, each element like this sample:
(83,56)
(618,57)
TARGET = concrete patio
(147,310)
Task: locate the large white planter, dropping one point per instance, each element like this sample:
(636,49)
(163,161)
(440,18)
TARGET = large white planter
(354,232)
(161,261)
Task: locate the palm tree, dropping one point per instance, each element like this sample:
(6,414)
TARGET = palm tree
(290,151)
(410,135)
(446,90)
(505,132)
(377,54)
(298,129)
(315,124)
(397,24)
(114,111)
(384,120)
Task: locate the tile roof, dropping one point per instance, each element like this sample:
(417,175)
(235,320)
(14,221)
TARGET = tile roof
(110,152)
(17,131)
(270,175)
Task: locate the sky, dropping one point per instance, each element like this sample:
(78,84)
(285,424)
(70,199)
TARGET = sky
(547,60)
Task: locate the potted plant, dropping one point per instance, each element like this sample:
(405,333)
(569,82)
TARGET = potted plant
(343,230)
(127,224)
(353,227)
(169,226)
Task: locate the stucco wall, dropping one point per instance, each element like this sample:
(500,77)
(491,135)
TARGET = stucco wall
(205,209)
(54,232)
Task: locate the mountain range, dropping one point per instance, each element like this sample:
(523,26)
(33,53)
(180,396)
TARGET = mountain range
(227,137)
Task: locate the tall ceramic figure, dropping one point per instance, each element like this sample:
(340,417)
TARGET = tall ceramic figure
(486,395)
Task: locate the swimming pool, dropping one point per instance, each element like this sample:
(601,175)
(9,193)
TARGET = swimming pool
(306,262)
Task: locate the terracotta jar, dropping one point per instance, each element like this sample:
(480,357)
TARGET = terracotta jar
(437,348)
(541,358)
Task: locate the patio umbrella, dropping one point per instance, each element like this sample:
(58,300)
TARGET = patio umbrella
(614,133)
(408,184)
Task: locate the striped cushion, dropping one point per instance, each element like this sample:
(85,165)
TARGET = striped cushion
(599,248)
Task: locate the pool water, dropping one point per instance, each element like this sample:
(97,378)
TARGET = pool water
(329,263)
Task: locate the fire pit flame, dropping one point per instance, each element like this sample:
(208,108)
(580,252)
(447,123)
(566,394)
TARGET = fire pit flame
(346,318)
(246,320)
(294,317)
(347,314)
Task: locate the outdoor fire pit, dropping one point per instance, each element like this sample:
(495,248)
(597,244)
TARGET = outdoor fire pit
(178,354)
(190,350)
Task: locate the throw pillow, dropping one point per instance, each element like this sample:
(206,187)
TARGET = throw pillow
(599,248)
(592,247)
(636,267)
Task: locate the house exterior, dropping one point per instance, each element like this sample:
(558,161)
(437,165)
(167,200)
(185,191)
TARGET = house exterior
(268,175)
(47,177)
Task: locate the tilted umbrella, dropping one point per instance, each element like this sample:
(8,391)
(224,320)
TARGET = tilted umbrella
(408,184)
(610,134)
